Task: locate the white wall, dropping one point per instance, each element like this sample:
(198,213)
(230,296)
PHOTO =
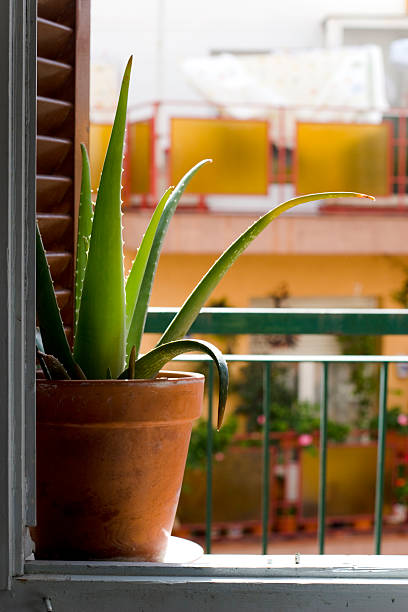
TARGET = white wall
(191,28)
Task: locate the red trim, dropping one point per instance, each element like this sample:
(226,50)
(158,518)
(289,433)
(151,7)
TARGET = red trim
(390,155)
(281,175)
(295,176)
(352,209)
(262,105)
(153,145)
(396,157)
(402,158)
(143,198)
(126,174)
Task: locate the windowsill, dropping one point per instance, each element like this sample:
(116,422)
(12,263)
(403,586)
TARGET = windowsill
(231,583)
(232,567)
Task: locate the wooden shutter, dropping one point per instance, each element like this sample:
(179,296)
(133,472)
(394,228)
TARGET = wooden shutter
(62,124)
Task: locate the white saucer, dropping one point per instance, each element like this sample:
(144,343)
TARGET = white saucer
(180,550)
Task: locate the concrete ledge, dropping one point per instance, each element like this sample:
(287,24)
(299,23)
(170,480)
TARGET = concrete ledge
(236,583)
(334,234)
(242,567)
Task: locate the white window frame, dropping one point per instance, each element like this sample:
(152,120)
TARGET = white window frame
(335,27)
(17,280)
(215,582)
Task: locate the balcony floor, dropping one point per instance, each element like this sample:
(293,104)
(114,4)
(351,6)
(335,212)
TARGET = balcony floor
(336,544)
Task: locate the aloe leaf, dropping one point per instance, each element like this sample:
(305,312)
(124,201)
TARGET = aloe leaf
(187,314)
(135,277)
(101,331)
(150,365)
(79,374)
(42,363)
(132,362)
(85,216)
(54,370)
(49,318)
(140,311)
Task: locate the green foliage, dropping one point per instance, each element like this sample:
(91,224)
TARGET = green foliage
(197,454)
(364,380)
(401,482)
(307,420)
(337,432)
(396,421)
(85,219)
(401,295)
(110,317)
(286,413)
(135,278)
(53,338)
(100,338)
(358,345)
(279,296)
(249,388)
(140,311)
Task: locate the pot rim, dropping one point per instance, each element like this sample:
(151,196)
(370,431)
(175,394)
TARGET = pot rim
(163,400)
(164,376)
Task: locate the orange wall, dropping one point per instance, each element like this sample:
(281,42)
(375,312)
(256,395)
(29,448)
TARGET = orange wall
(258,275)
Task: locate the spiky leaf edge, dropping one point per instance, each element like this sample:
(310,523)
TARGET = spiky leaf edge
(100,341)
(85,218)
(140,311)
(49,317)
(135,278)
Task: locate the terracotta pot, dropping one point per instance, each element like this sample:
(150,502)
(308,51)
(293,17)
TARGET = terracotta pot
(110,462)
(287,524)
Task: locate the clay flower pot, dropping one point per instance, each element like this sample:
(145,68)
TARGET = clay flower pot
(110,462)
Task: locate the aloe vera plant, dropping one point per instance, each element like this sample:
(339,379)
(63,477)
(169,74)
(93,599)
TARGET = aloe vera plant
(110,313)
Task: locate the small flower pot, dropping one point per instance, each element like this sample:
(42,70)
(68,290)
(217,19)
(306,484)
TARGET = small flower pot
(287,524)
(110,463)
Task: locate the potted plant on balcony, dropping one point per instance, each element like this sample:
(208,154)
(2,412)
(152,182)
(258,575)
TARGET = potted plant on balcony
(286,520)
(112,429)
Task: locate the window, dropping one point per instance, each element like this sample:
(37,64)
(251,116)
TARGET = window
(243,583)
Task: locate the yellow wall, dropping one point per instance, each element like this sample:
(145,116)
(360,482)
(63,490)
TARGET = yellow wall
(259,275)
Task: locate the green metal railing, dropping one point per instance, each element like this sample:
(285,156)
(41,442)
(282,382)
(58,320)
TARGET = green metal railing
(297,321)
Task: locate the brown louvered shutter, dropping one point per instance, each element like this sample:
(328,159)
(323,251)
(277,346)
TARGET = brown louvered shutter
(62,124)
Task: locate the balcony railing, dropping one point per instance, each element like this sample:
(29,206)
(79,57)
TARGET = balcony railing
(260,162)
(297,321)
